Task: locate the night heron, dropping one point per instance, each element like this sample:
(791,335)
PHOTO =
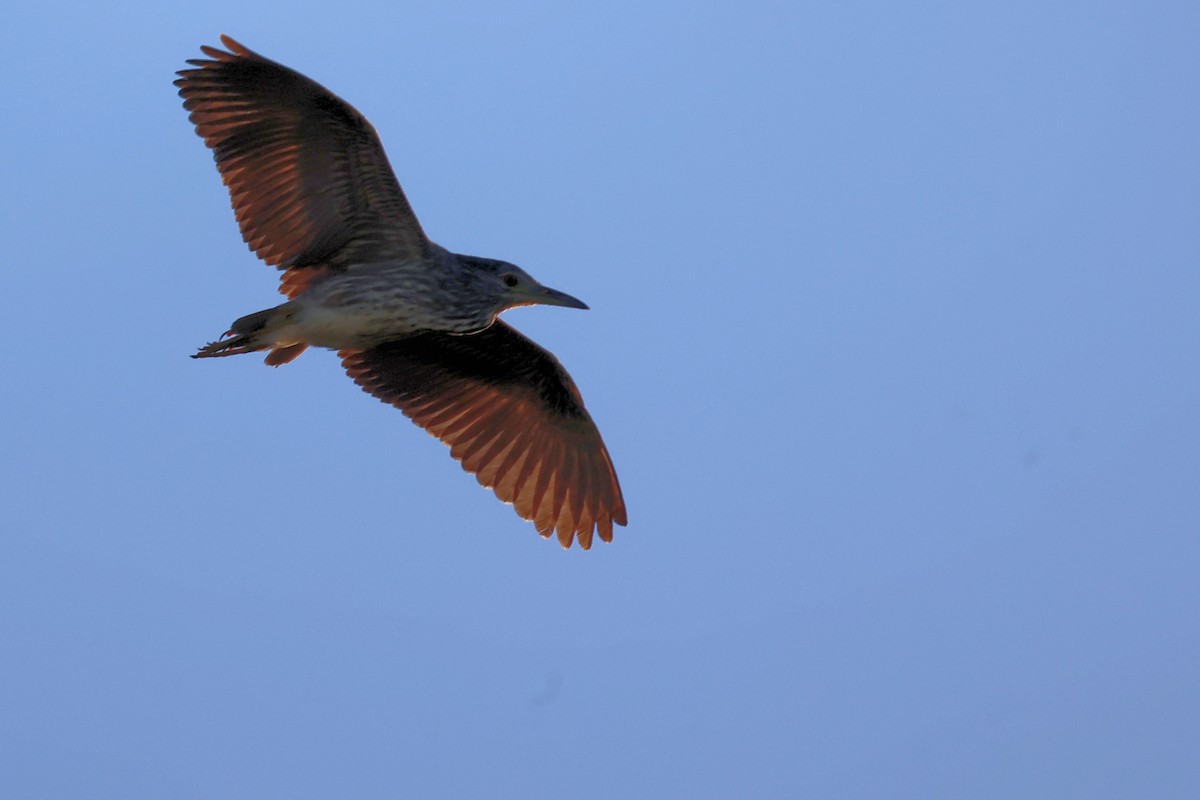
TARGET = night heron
(414,324)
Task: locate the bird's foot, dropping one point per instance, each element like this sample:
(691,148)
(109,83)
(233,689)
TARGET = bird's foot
(230,344)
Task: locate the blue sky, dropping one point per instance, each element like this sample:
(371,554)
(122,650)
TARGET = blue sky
(893,341)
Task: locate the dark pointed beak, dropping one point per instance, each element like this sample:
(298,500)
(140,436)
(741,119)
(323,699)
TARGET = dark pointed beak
(553,297)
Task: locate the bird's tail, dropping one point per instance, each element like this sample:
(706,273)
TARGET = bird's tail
(256,332)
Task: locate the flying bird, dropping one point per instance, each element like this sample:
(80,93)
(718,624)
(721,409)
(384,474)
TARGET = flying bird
(414,324)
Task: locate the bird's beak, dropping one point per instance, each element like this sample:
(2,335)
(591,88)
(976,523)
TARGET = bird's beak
(553,297)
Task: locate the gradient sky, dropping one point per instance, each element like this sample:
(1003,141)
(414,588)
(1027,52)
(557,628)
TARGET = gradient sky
(894,341)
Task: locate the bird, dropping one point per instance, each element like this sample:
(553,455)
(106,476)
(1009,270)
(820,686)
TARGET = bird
(415,325)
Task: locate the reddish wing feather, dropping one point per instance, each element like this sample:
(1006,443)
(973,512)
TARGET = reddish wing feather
(306,173)
(511,415)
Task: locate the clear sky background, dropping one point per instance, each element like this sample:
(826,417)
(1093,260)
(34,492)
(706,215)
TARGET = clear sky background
(894,340)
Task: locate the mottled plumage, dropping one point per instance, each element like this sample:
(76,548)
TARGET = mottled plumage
(415,325)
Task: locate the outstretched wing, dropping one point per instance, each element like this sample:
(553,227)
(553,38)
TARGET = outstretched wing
(309,181)
(511,414)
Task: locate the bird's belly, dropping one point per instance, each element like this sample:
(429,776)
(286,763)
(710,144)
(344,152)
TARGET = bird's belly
(363,307)
(353,326)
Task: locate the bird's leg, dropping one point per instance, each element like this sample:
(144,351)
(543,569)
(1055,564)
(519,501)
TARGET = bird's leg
(228,345)
(262,330)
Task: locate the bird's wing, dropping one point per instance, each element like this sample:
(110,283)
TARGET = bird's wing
(511,415)
(309,181)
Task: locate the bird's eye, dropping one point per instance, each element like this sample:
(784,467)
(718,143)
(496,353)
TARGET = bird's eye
(509,279)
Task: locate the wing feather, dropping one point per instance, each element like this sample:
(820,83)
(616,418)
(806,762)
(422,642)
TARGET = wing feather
(511,415)
(307,176)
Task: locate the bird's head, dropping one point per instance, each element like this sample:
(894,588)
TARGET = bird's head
(512,286)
